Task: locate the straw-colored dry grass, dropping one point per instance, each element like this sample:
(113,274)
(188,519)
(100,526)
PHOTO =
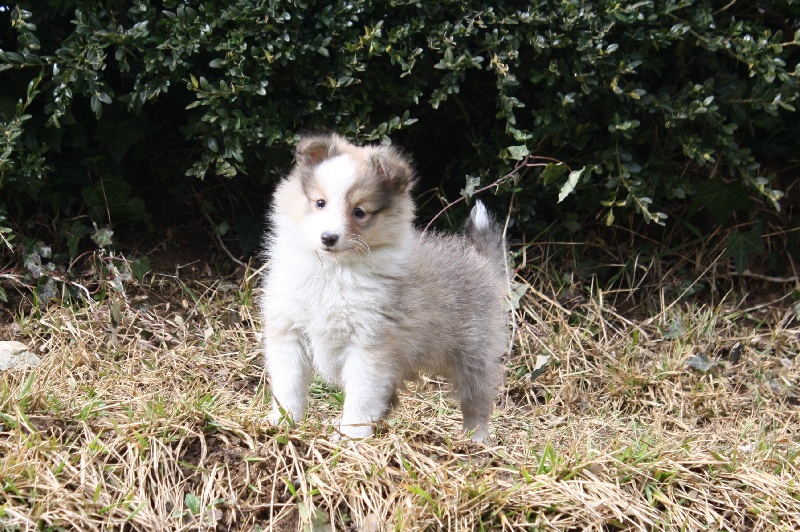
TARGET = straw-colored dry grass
(149,413)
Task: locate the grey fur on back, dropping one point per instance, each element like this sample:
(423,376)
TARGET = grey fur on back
(450,320)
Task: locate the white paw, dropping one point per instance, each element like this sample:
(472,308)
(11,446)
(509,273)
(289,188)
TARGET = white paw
(479,437)
(354,430)
(276,417)
(479,434)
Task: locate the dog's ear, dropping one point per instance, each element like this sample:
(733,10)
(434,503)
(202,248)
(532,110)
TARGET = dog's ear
(313,149)
(391,165)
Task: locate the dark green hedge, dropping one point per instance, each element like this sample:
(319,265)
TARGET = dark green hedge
(649,105)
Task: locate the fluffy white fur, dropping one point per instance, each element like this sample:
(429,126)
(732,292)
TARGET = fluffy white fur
(358,295)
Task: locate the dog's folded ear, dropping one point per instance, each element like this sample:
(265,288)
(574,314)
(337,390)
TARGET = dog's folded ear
(391,165)
(315,148)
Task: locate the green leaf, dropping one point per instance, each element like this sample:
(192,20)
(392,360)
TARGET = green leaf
(139,267)
(518,152)
(96,105)
(721,199)
(540,365)
(113,195)
(553,172)
(116,313)
(74,232)
(118,137)
(742,247)
(192,503)
(103,237)
(632,167)
(222,228)
(569,186)
(473,182)
(675,330)
(518,290)
(701,363)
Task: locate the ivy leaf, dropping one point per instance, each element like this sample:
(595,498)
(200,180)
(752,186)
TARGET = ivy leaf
(721,199)
(103,237)
(473,182)
(742,247)
(540,365)
(139,267)
(701,364)
(517,291)
(118,137)
(569,186)
(113,195)
(222,228)
(518,152)
(74,232)
(553,172)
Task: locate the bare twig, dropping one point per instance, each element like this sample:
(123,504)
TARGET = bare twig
(523,164)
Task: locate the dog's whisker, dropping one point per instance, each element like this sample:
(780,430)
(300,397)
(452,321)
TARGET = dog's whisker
(360,246)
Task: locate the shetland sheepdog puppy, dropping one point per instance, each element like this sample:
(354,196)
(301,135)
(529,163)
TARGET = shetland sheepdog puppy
(357,294)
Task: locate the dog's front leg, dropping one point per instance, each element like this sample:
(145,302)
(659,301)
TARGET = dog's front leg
(290,371)
(368,390)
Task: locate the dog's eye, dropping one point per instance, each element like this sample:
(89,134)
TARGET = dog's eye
(321,204)
(358,212)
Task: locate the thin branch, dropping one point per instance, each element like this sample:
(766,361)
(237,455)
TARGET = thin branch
(524,163)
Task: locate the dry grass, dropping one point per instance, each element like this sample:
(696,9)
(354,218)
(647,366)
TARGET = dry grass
(149,413)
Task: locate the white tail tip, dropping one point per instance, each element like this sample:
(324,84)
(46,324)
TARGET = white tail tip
(480,216)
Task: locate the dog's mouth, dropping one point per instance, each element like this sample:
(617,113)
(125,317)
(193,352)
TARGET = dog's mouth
(337,250)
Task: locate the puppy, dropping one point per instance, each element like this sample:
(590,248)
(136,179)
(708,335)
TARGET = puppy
(357,294)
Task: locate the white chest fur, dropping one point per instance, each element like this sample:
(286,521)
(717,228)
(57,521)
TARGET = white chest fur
(335,305)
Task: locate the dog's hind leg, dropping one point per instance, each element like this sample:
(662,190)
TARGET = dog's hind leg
(476,386)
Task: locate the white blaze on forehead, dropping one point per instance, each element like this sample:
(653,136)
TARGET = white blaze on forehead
(337,175)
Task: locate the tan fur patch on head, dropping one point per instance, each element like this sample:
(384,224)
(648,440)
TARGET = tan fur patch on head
(313,149)
(393,167)
(376,205)
(386,161)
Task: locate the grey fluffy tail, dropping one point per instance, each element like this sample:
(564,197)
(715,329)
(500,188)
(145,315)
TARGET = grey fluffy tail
(485,235)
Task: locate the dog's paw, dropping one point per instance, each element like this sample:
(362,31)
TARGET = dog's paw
(354,430)
(480,436)
(480,432)
(277,416)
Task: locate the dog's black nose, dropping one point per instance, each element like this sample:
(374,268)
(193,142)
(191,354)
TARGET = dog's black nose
(329,239)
